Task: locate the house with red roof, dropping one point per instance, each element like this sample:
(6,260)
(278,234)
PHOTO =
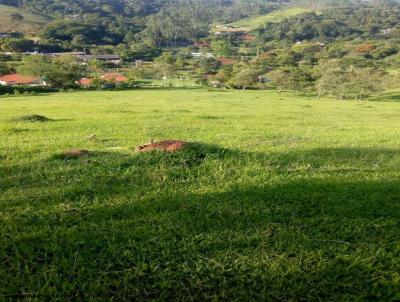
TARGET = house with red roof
(85,82)
(21,80)
(113,77)
(226,61)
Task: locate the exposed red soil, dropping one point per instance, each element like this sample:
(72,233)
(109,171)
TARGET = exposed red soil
(168,146)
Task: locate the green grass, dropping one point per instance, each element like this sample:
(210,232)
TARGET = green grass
(252,23)
(284,198)
(30,24)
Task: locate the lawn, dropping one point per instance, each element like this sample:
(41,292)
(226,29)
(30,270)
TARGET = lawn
(282,198)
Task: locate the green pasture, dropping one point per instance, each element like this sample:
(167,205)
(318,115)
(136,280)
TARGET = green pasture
(280,197)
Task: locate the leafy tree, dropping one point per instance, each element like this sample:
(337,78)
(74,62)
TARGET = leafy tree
(80,42)
(17,44)
(290,78)
(331,78)
(4,68)
(245,78)
(209,65)
(165,65)
(60,72)
(345,81)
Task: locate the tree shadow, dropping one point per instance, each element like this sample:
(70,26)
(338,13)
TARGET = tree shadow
(386,97)
(322,224)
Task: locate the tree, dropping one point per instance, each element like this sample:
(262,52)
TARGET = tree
(290,78)
(361,82)
(209,65)
(34,65)
(80,42)
(60,72)
(331,77)
(165,65)
(348,81)
(246,78)
(17,45)
(4,68)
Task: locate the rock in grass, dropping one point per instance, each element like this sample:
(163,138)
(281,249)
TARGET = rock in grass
(167,146)
(33,118)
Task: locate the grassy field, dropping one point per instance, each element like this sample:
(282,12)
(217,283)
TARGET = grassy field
(30,24)
(252,23)
(283,198)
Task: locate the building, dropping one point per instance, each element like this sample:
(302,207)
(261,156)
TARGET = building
(113,77)
(21,80)
(201,55)
(115,59)
(10,35)
(85,82)
(59,54)
(226,61)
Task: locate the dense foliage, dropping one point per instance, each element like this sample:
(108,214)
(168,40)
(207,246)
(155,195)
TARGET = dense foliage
(350,22)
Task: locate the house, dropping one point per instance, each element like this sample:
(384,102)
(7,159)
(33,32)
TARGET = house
(247,37)
(202,44)
(226,61)
(113,77)
(59,54)
(21,80)
(85,82)
(201,55)
(115,59)
(10,35)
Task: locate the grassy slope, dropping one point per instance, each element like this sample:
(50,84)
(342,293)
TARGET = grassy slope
(256,22)
(31,23)
(299,198)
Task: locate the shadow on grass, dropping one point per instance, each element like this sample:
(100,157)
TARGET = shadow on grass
(386,97)
(176,226)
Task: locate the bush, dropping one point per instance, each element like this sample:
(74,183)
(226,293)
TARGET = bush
(7,90)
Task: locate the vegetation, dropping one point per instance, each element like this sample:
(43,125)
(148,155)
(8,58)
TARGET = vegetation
(17,20)
(283,198)
(249,24)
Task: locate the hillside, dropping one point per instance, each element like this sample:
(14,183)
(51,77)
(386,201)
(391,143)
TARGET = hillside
(18,20)
(252,23)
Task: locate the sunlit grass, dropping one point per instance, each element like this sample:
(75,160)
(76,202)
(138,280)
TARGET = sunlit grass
(284,197)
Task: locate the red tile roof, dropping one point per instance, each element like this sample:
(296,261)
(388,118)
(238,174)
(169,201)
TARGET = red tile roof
(85,81)
(17,79)
(114,77)
(226,61)
(248,37)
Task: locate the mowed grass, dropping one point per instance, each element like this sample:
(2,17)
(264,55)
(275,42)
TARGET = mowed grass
(30,24)
(284,198)
(253,23)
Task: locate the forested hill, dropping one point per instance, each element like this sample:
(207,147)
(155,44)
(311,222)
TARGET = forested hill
(139,8)
(230,9)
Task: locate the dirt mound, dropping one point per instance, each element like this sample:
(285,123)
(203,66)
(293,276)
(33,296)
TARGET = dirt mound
(74,153)
(32,118)
(168,146)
